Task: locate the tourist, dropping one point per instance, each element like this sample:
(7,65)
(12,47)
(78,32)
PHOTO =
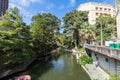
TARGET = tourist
(96,63)
(24,77)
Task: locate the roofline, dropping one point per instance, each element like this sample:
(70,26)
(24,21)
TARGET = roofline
(97,3)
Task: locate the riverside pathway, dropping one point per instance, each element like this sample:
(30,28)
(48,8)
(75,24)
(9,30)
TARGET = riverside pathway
(94,73)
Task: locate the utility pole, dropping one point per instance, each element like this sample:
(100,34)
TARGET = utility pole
(101,34)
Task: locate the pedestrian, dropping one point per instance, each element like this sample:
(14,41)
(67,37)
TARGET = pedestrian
(96,63)
(23,77)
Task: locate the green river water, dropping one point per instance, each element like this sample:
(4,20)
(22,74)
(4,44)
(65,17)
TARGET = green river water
(63,68)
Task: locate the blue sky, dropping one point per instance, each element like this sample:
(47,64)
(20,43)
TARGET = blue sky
(28,8)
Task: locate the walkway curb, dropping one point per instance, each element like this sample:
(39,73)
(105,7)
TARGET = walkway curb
(87,72)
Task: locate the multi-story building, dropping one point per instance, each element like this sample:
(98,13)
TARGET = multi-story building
(95,9)
(118,20)
(3,6)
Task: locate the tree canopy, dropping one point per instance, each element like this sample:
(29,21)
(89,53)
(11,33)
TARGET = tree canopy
(75,26)
(44,27)
(108,25)
(14,37)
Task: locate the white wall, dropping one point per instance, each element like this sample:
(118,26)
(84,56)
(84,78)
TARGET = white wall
(110,65)
(118,68)
(90,6)
(113,65)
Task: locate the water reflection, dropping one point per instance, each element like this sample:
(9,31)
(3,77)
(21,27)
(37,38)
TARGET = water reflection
(64,68)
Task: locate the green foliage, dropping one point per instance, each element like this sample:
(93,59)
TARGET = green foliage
(44,28)
(21,42)
(77,28)
(87,33)
(72,22)
(60,38)
(113,77)
(68,42)
(79,47)
(85,60)
(15,38)
(118,2)
(75,18)
(108,25)
(118,74)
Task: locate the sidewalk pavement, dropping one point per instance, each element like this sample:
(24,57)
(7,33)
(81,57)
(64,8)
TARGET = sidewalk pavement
(96,73)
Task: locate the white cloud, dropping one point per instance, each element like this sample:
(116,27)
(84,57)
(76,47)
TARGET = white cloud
(40,1)
(21,9)
(25,3)
(72,3)
(62,6)
(21,4)
(26,14)
(50,6)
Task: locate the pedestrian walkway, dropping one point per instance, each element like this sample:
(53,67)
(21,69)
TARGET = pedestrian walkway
(96,73)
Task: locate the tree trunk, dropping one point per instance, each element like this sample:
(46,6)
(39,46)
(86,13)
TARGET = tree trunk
(76,37)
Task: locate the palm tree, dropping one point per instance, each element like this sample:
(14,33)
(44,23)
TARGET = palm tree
(87,33)
(73,21)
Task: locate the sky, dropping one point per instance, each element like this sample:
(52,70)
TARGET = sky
(59,8)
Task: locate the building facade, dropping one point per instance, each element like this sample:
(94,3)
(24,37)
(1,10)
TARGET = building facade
(3,6)
(108,58)
(96,9)
(118,20)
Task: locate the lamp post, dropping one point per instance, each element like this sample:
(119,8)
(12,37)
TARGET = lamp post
(101,34)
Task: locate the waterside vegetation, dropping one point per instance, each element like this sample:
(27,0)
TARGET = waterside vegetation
(21,42)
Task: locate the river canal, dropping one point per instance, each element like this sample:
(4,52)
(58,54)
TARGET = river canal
(63,68)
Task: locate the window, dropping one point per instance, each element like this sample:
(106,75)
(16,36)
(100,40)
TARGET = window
(100,9)
(105,9)
(95,54)
(96,14)
(106,59)
(96,8)
(109,9)
(114,11)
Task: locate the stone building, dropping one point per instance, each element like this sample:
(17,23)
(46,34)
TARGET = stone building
(3,6)
(96,9)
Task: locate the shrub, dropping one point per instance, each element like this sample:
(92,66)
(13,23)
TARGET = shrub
(85,60)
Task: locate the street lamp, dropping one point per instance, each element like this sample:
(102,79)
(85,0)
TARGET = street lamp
(101,34)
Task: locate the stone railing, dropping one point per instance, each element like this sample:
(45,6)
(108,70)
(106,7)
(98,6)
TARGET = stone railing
(110,52)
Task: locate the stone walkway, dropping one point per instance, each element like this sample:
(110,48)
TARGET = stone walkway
(96,73)
(93,72)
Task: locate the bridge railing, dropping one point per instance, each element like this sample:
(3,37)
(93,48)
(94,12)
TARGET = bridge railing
(111,52)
